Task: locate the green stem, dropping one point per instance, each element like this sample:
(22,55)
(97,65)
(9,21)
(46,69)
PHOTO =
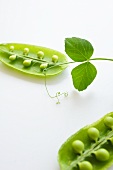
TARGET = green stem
(60,64)
(72,62)
(109,59)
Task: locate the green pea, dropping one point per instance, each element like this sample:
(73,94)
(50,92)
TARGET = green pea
(93,133)
(54,58)
(40,54)
(27,63)
(99,154)
(12,57)
(11,48)
(111,140)
(78,146)
(26,52)
(108,121)
(43,66)
(102,154)
(85,165)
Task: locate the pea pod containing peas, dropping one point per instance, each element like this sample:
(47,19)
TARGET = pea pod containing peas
(33,59)
(91,148)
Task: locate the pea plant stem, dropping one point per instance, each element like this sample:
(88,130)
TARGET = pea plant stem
(61,64)
(109,59)
(73,62)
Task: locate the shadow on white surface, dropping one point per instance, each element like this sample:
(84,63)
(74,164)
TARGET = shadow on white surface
(31,78)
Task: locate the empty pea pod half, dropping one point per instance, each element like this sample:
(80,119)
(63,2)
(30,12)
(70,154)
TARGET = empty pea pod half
(91,148)
(33,59)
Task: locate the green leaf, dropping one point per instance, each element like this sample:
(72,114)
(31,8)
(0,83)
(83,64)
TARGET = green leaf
(83,75)
(78,49)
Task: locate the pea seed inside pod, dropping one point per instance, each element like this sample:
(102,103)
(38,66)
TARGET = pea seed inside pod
(85,165)
(11,48)
(12,57)
(93,133)
(108,121)
(78,146)
(43,66)
(40,54)
(102,154)
(27,62)
(54,58)
(111,140)
(26,51)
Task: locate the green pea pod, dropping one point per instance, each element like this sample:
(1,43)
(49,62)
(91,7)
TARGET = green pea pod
(28,58)
(91,148)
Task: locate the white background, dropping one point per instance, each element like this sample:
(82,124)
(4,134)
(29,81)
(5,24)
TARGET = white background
(32,125)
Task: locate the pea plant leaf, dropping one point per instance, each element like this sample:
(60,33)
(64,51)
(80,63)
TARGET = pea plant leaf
(83,75)
(78,49)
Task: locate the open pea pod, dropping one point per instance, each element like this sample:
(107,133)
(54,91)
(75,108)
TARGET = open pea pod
(32,59)
(91,148)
